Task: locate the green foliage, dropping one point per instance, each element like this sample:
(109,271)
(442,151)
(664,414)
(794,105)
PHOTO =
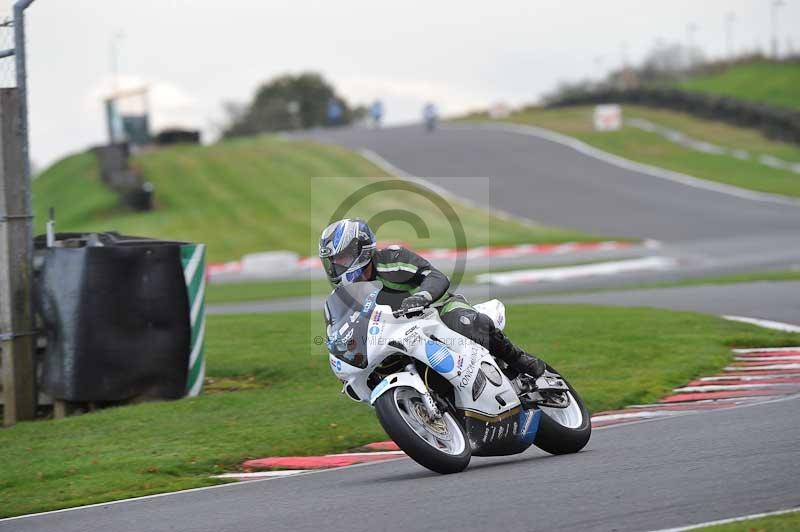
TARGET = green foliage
(767,82)
(291,402)
(284,103)
(72,186)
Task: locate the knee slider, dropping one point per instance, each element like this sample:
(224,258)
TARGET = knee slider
(483,323)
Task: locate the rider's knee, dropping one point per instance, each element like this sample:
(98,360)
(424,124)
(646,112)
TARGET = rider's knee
(484,323)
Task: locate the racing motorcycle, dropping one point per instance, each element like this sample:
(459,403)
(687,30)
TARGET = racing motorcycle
(441,397)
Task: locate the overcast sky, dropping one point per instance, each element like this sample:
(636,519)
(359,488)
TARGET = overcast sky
(195,54)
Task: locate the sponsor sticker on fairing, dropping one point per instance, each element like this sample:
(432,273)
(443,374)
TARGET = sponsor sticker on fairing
(466,375)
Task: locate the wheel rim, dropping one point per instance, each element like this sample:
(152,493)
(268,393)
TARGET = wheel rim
(444,434)
(570,417)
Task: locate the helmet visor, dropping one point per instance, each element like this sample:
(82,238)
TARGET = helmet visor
(337,265)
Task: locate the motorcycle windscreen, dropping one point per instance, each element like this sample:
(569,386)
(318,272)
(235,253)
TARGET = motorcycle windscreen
(348,310)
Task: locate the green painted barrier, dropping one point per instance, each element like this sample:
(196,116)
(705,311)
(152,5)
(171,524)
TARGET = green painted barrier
(193,259)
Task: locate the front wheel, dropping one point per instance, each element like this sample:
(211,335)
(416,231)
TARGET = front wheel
(438,444)
(564,430)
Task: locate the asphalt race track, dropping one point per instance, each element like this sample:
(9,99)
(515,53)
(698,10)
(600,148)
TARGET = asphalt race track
(652,475)
(553,184)
(761,300)
(706,231)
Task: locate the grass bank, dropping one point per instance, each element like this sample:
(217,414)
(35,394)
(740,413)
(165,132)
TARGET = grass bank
(653,149)
(271,393)
(763,82)
(261,193)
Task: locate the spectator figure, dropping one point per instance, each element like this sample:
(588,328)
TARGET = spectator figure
(376,113)
(334,112)
(430,115)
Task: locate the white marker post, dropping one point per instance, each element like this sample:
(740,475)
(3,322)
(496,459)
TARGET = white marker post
(607,117)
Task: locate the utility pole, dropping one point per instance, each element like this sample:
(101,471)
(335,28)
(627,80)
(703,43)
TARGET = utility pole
(774,16)
(116,39)
(691,29)
(17,334)
(16,312)
(730,18)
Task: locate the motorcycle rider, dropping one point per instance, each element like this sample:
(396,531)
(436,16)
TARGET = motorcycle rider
(430,116)
(348,250)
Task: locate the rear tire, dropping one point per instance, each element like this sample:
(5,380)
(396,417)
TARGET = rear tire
(562,432)
(397,412)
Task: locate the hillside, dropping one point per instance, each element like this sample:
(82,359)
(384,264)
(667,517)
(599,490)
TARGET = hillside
(257,194)
(775,84)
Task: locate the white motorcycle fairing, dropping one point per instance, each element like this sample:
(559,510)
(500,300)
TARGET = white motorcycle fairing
(487,403)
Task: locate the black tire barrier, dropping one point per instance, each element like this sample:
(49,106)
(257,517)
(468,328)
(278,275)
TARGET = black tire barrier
(178,136)
(116,314)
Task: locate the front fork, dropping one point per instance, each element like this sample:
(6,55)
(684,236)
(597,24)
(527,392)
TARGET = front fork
(427,398)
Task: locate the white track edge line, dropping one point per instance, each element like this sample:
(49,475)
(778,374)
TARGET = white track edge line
(731,520)
(767,324)
(767,349)
(231,484)
(627,164)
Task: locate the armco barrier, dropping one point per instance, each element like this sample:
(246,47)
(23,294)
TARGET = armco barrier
(774,122)
(123,316)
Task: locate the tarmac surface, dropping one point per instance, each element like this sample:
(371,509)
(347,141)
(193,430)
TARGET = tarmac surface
(554,184)
(652,475)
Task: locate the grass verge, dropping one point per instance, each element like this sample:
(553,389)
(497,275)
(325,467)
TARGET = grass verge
(256,194)
(278,289)
(651,148)
(266,290)
(789,522)
(289,401)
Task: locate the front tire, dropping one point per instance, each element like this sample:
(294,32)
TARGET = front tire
(441,446)
(564,431)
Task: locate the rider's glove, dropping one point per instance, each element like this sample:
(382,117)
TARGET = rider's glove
(420,299)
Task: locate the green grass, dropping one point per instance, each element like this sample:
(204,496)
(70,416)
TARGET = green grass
(73,187)
(764,82)
(266,290)
(653,149)
(777,523)
(752,277)
(719,133)
(258,194)
(290,401)
(316,285)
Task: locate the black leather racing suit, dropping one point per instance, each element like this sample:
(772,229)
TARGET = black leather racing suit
(403,273)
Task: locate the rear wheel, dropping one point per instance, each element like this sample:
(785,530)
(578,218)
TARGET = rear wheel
(438,444)
(564,430)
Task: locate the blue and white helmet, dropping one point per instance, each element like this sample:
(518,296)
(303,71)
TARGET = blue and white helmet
(345,248)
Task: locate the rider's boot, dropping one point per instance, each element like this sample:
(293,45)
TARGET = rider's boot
(517,359)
